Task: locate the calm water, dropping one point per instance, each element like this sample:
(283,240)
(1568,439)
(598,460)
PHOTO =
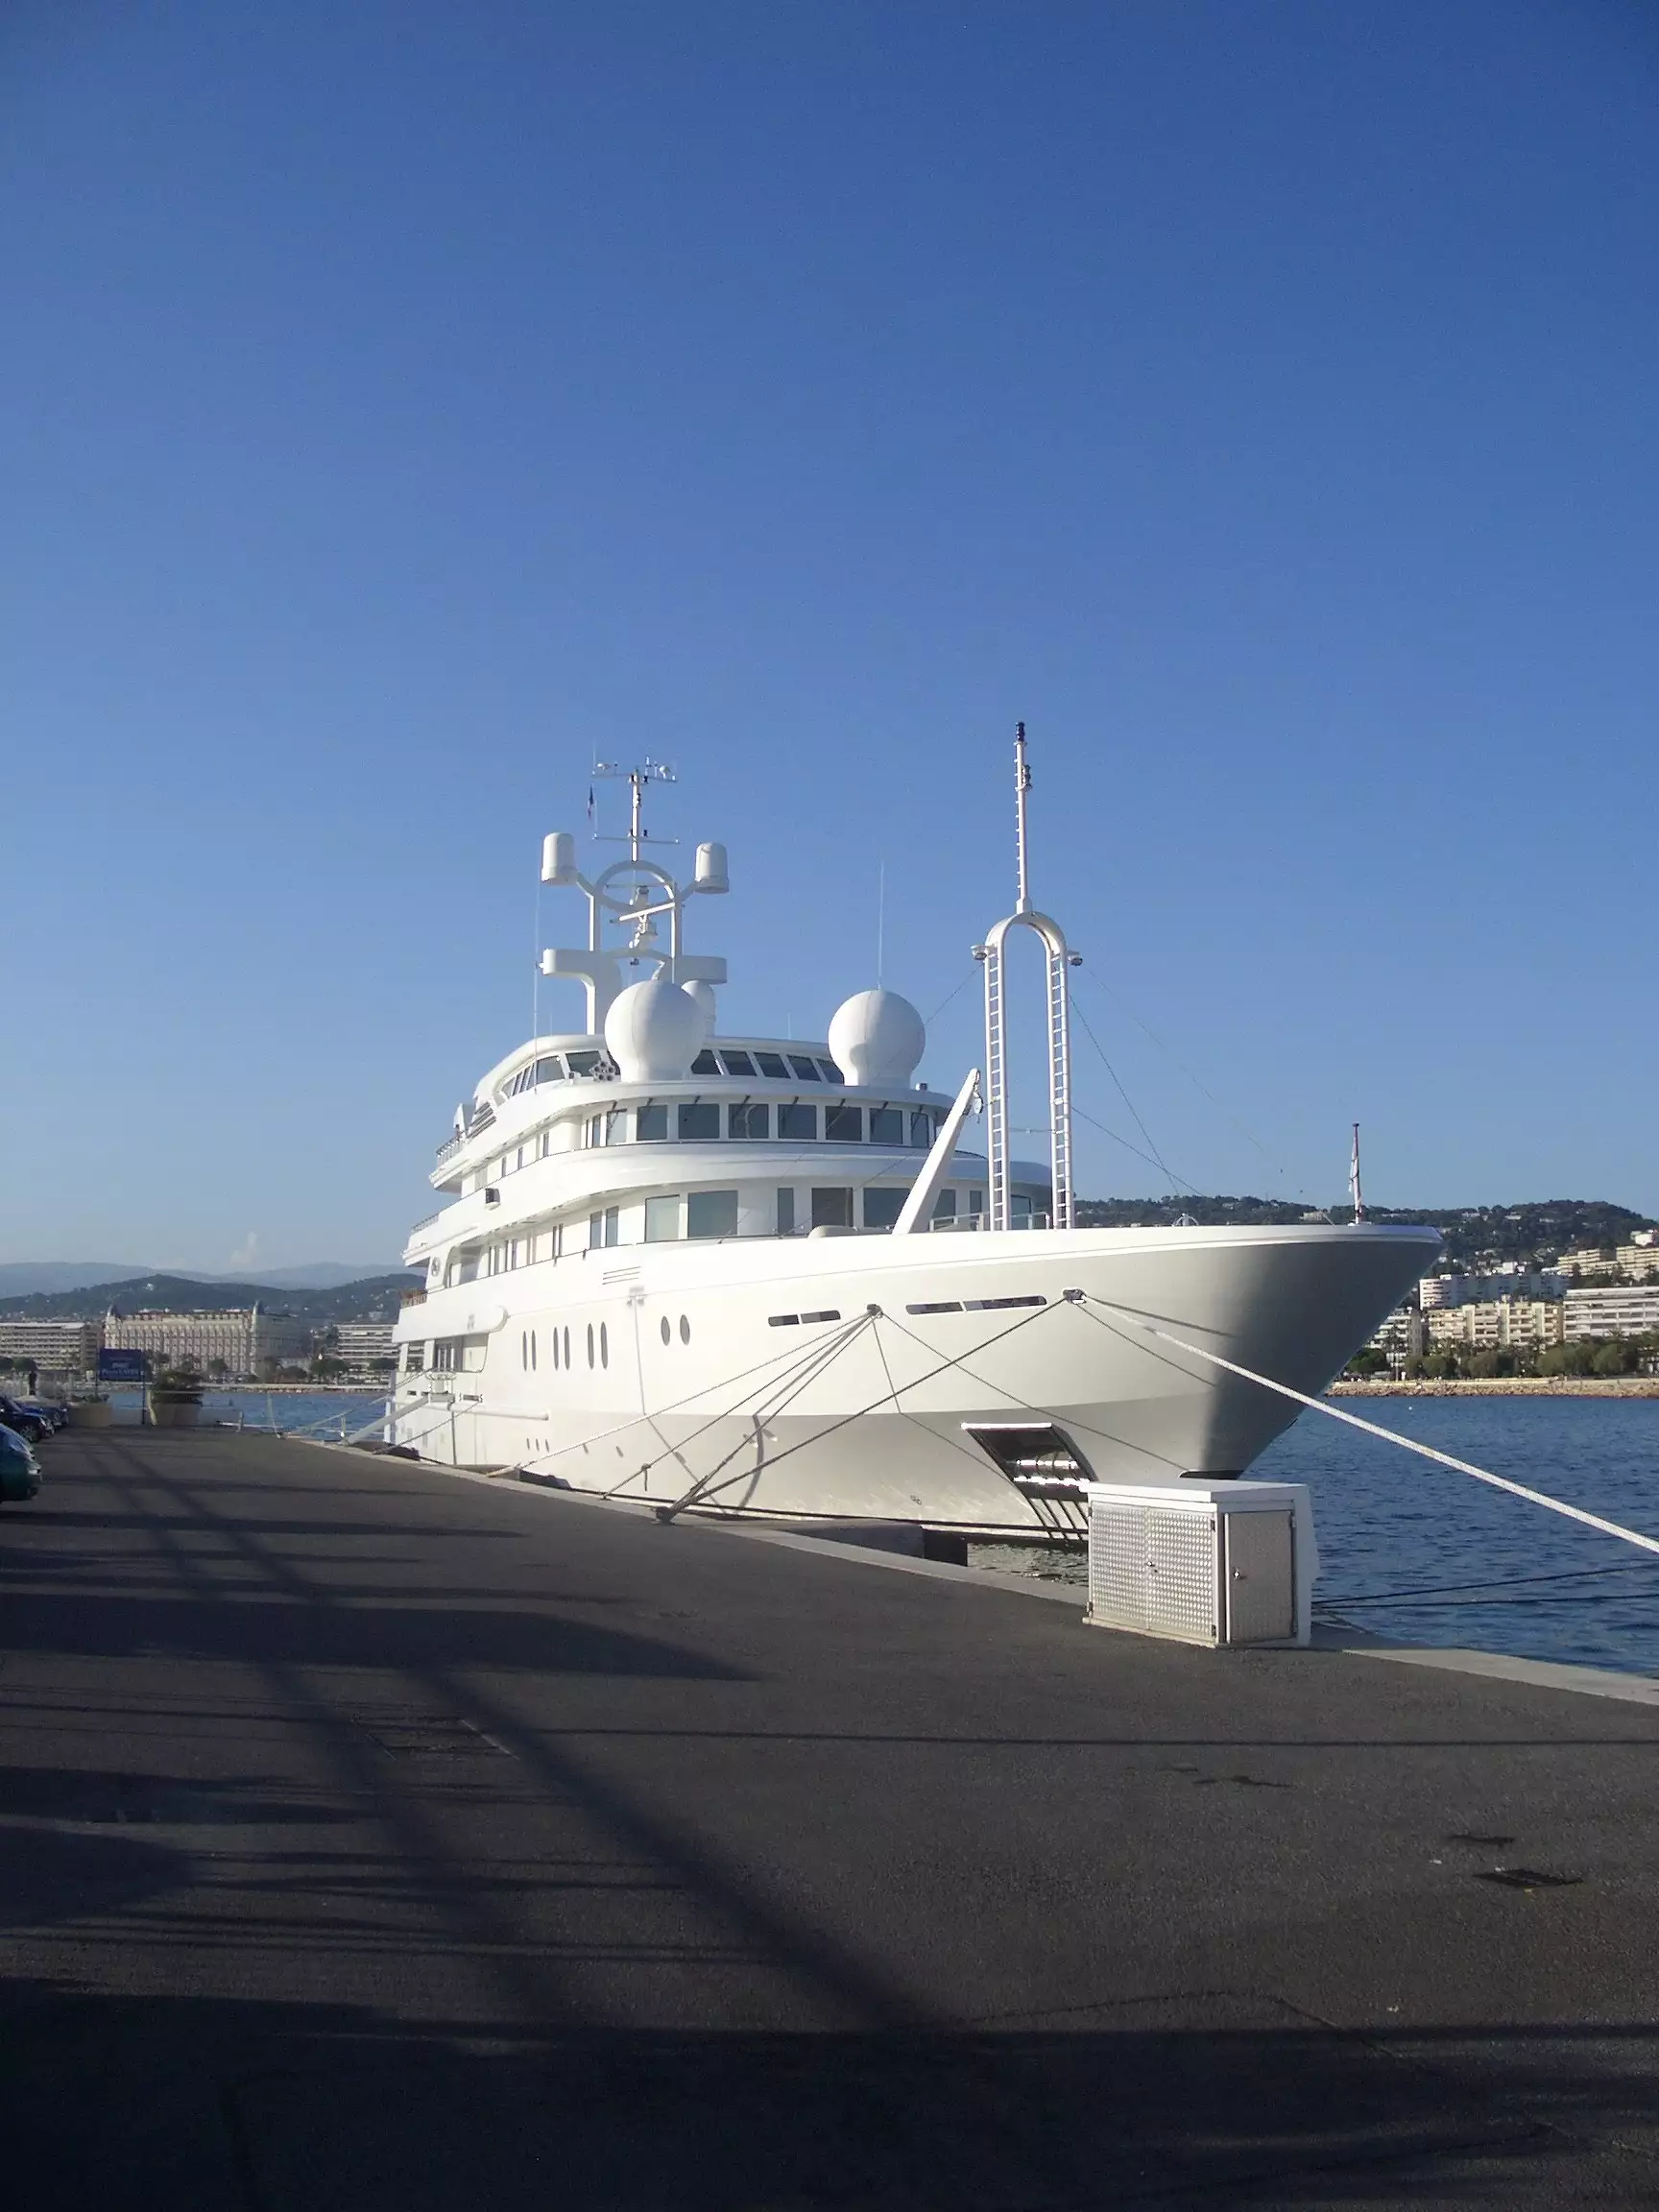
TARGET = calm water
(313,1415)
(1388,1522)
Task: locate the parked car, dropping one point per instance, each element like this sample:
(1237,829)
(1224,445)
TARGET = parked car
(52,1410)
(22,1421)
(20,1469)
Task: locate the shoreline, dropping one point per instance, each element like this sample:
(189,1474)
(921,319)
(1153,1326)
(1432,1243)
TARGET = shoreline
(1502,1386)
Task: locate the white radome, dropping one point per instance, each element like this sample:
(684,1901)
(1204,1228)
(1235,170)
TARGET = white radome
(878,1039)
(702,994)
(653,1031)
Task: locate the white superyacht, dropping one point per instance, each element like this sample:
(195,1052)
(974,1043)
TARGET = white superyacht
(756,1275)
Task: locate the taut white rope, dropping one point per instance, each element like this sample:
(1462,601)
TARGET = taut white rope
(1373,1429)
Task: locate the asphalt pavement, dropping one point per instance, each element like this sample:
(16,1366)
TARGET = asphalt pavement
(371,1837)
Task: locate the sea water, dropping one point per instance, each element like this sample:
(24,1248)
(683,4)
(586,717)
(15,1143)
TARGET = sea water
(1389,1525)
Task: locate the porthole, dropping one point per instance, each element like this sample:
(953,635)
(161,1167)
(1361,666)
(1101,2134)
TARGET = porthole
(590,1343)
(523,1349)
(555,1350)
(667,1332)
(684,1329)
(566,1347)
(604,1345)
(532,1350)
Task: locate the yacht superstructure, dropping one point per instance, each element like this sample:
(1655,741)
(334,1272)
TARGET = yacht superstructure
(763,1275)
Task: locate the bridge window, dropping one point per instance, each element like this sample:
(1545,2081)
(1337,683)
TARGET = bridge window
(699,1123)
(886,1125)
(796,1121)
(705,1064)
(650,1124)
(737,1063)
(832,1209)
(772,1063)
(663,1220)
(807,1069)
(584,1063)
(844,1124)
(922,1130)
(711,1213)
(750,1121)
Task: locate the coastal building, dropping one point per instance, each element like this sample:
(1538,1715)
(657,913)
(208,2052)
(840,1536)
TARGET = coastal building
(364,1348)
(1589,1261)
(1611,1310)
(1500,1324)
(1404,1334)
(237,1338)
(1435,1292)
(61,1347)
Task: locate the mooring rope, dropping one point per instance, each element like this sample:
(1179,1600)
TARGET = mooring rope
(1084,1300)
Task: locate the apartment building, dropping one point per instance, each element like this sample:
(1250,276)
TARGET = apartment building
(364,1348)
(1500,1324)
(1611,1310)
(239,1337)
(60,1347)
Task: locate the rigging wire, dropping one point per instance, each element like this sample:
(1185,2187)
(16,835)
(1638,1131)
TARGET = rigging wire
(1497,1582)
(1083,1114)
(1170,1174)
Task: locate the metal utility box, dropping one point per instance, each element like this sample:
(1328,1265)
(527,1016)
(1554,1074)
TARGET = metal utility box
(1216,1563)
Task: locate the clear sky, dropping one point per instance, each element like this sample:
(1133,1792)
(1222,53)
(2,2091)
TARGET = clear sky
(403,403)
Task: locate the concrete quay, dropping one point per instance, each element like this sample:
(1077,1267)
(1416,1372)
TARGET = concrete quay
(375,1837)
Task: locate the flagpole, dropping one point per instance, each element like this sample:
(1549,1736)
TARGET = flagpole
(1354,1179)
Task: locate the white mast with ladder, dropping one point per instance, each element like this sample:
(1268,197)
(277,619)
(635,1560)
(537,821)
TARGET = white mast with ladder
(1060,958)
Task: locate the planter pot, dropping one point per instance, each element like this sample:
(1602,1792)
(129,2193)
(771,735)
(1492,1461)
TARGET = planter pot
(91,1413)
(169,1414)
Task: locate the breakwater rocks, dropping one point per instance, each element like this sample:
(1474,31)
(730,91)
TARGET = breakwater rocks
(1506,1386)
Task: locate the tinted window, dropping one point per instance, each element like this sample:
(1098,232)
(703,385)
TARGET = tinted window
(798,1121)
(922,1128)
(737,1063)
(705,1064)
(807,1069)
(771,1063)
(652,1124)
(785,1213)
(886,1125)
(844,1124)
(711,1213)
(945,1206)
(699,1121)
(829,1071)
(832,1209)
(548,1072)
(583,1063)
(881,1208)
(751,1121)
(661,1220)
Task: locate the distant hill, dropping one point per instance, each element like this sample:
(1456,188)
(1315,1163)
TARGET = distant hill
(23,1278)
(374,1298)
(1475,1234)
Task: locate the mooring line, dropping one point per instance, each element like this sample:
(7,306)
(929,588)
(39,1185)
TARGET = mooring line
(1084,1300)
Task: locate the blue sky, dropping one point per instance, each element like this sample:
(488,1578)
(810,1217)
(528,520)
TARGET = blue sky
(401,404)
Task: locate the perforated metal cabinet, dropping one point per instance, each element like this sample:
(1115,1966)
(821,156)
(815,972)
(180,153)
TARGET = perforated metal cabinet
(1216,1563)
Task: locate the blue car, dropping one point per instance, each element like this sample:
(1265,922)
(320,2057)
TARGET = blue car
(20,1469)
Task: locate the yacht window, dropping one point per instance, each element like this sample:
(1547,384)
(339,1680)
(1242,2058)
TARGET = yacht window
(584,1063)
(772,1063)
(807,1069)
(922,1128)
(459,1355)
(698,1122)
(532,1350)
(881,1208)
(737,1063)
(832,1209)
(684,1329)
(785,1213)
(829,1071)
(590,1343)
(945,1206)
(798,1120)
(414,1359)
(886,1125)
(705,1064)
(602,1228)
(604,1345)
(555,1349)
(661,1220)
(1021,1206)
(548,1072)
(844,1124)
(566,1347)
(668,1332)
(977,1200)
(711,1213)
(751,1121)
(650,1124)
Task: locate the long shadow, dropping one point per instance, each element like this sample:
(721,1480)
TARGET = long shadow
(1202,2098)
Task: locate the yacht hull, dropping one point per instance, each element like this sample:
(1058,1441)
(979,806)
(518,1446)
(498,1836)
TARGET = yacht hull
(875,1377)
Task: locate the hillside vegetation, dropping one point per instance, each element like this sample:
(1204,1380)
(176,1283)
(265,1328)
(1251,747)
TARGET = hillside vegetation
(1476,1235)
(374,1299)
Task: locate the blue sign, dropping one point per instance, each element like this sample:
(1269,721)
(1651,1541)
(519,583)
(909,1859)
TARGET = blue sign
(123,1367)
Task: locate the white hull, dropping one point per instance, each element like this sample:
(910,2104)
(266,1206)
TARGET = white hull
(690,1382)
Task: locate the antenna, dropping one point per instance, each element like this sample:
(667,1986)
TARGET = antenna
(1354,1179)
(636,779)
(880,921)
(1022,785)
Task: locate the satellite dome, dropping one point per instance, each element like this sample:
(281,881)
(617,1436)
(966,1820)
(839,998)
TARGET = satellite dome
(878,1039)
(702,994)
(653,1031)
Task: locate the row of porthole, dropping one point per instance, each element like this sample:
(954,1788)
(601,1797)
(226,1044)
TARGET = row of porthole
(528,1347)
(668,1332)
